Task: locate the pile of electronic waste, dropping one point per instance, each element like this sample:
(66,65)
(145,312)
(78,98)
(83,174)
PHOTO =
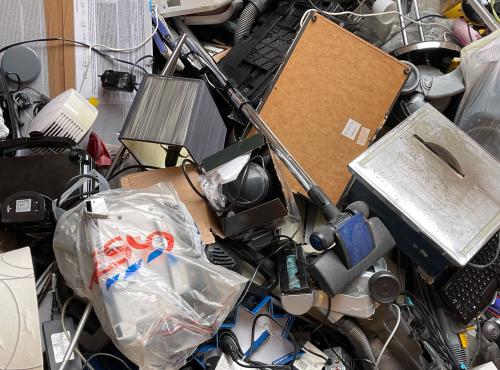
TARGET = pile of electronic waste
(303,185)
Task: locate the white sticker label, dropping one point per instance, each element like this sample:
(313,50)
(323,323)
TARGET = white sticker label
(23,205)
(351,129)
(308,361)
(60,344)
(363,136)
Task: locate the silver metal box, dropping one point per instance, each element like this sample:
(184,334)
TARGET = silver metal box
(438,179)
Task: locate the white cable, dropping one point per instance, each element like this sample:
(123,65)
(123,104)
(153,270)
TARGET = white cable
(127,50)
(390,336)
(86,364)
(302,20)
(117,50)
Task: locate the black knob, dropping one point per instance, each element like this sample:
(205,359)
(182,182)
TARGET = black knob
(323,237)
(384,287)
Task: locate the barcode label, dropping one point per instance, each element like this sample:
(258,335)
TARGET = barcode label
(351,129)
(363,136)
(60,344)
(23,205)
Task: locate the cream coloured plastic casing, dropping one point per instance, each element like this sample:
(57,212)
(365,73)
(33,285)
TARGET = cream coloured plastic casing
(68,115)
(173,8)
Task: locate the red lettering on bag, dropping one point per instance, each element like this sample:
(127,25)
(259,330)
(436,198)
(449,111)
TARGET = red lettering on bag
(120,252)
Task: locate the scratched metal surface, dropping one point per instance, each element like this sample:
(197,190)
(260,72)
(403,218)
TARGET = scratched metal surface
(458,213)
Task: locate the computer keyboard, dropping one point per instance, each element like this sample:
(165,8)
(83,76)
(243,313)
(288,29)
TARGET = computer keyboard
(471,289)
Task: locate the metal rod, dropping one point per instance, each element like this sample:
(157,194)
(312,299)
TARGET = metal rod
(172,62)
(290,162)
(417,18)
(484,15)
(239,100)
(76,337)
(116,161)
(402,22)
(316,194)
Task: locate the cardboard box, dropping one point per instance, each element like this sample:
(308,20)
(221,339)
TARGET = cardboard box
(279,202)
(203,216)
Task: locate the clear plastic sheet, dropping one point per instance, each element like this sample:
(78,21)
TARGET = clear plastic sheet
(137,256)
(211,182)
(479,111)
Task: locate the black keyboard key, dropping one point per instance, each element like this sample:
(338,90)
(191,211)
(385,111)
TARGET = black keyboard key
(471,289)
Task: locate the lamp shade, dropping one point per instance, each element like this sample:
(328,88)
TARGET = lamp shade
(172,111)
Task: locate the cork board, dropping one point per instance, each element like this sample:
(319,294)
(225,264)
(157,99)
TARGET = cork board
(61,56)
(331,96)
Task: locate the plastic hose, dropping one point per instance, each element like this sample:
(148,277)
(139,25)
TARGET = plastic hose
(247,18)
(357,338)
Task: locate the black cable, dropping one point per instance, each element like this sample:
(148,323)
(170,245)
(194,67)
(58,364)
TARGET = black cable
(433,335)
(437,336)
(260,263)
(13,121)
(236,198)
(142,166)
(276,238)
(478,337)
(325,339)
(246,130)
(138,61)
(359,359)
(296,347)
(186,175)
(425,293)
(48,39)
(78,196)
(325,316)
(251,366)
(168,150)
(70,182)
(327,359)
(40,94)
(468,31)
(18,82)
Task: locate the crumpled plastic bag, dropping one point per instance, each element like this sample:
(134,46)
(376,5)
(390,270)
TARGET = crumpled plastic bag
(479,111)
(137,256)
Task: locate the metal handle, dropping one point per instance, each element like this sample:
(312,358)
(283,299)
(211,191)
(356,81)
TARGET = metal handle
(76,337)
(402,22)
(417,16)
(484,15)
(316,194)
(172,62)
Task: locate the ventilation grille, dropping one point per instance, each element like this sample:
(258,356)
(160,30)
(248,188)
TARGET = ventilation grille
(63,126)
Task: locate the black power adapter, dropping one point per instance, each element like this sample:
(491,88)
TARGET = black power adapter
(56,343)
(56,340)
(118,81)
